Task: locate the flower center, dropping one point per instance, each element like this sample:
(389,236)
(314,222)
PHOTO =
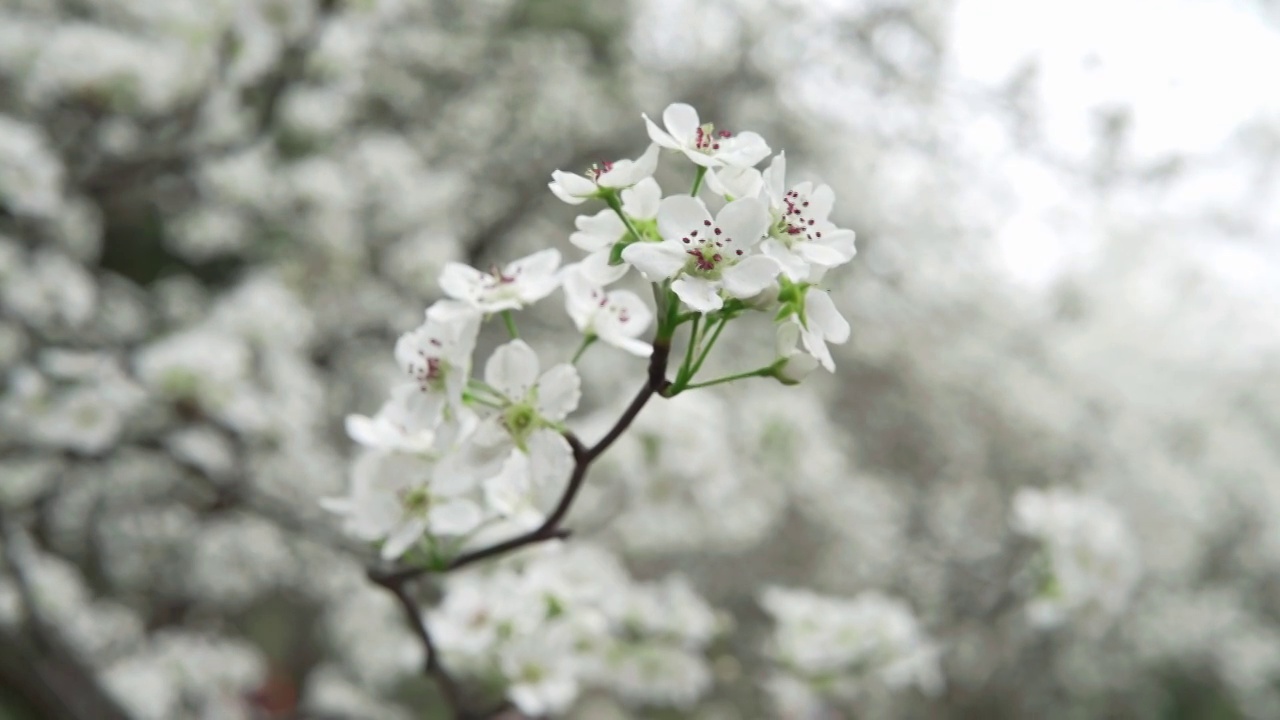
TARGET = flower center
(708,140)
(796,224)
(711,252)
(596,170)
(430,371)
(520,420)
(416,501)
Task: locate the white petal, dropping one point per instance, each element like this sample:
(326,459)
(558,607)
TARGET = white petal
(574,184)
(681,121)
(365,430)
(821,200)
(658,135)
(543,262)
(596,268)
(821,311)
(636,347)
(820,253)
(454,517)
(656,261)
(745,149)
(626,313)
(626,173)
(550,458)
(559,390)
(512,370)
(641,201)
(599,231)
(559,191)
(581,298)
(698,293)
(794,266)
(743,221)
(775,179)
(403,537)
(460,281)
(735,182)
(750,276)
(678,215)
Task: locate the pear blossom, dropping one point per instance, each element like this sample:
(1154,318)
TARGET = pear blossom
(532,403)
(801,238)
(597,234)
(398,498)
(703,144)
(576,189)
(510,287)
(840,646)
(819,322)
(437,355)
(617,317)
(706,256)
(405,423)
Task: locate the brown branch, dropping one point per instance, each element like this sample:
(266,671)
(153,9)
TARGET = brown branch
(431,665)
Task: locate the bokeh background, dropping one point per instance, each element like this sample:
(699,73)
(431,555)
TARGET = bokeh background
(217,215)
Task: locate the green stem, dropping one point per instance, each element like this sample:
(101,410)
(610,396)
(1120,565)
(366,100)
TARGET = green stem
(758,372)
(509,319)
(706,350)
(587,340)
(686,368)
(697,181)
(611,199)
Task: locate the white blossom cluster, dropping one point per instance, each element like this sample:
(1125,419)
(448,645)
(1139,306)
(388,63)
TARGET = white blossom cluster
(1087,562)
(216,216)
(565,618)
(829,650)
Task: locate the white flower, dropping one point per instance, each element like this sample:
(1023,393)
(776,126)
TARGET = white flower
(617,317)
(437,355)
(543,674)
(736,182)
(840,645)
(532,402)
(702,143)
(576,189)
(512,287)
(597,234)
(397,498)
(792,367)
(801,238)
(819,322)
(405,423)
(709,256)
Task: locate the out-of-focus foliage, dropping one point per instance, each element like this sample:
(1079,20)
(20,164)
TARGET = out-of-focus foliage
(1058,478)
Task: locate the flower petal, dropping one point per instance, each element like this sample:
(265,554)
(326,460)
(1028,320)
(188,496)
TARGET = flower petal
(751,276)
(403,537)
(512,370)
(559,390)
(745,149)
(641,201)
(543,262)
(775,179)
(599,231)
(820,312)
(550,458)
(454,517)
(821,200)
(681,121)
(460,281)
(596,268)
(574,184)
(698,293)
(678,215)
(743,222)
(658,135)
(656,261)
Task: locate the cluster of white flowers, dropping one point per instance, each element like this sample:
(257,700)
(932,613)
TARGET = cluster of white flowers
(453,462)
(1087,564)
(830,650)
(547,625)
